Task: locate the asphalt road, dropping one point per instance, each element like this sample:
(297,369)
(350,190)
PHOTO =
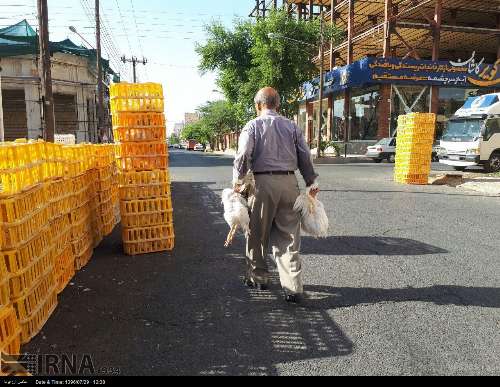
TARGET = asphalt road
(408,282)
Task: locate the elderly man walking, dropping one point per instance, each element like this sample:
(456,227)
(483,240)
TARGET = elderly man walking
(273,147)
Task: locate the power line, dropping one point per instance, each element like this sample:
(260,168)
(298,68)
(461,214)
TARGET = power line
(136,27)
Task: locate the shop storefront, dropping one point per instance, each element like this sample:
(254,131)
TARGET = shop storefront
(408,86)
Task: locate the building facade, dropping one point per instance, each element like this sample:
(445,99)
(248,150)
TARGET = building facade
(74,78)
(395,57)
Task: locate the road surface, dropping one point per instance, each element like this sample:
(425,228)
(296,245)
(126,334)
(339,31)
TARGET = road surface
(408,282)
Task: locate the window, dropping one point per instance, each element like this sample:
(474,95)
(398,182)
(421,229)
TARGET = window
(365,114)
(338,119)
(492,127)
(408,99)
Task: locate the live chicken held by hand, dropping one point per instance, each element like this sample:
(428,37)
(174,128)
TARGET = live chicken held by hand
(235,214)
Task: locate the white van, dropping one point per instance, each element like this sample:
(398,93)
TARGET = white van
(472,136)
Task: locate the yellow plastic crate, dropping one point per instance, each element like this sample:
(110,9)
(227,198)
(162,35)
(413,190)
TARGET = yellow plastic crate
(139,248)
(4,285)
(23,280)
(28,304)
(147,219)
(19,259)
(80,213)
(83,244)
(64,268)
(137,105)
(134,207)
(18,207)
(80,229)
(134,178)
(83,259)
(138,192)
(136,90)
(148,234)
(18,233)
(59,188)
(132,149)
(131,134)
(10,332)
(109,226)
(4,292)
(60,206)
(17,180)
(31,326)
(138,120)
(142,163)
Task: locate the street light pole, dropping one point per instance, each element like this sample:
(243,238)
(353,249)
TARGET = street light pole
(321,83)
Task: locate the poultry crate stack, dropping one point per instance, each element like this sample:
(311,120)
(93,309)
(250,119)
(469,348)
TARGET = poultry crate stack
(416,133)
(142,154)
(28,282)
(81,214)
(10,334)
(106,187)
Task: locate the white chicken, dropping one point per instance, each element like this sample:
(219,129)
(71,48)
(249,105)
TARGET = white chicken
(235,214)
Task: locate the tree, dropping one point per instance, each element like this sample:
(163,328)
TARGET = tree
(217,118)
(196,131)
(173,139)
(247,59)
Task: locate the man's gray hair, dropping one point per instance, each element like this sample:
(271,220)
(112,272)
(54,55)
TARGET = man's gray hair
(271,99)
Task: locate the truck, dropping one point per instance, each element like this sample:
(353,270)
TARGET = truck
(191,145)
(472,135)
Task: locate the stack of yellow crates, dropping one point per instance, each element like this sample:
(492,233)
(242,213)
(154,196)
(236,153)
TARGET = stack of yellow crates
(105,186)
(61,201)
(80,159)
(10,332)
(26,244)
(415,139)
(142,154)
(51,198)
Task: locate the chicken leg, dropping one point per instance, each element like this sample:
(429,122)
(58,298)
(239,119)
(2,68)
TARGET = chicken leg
(231,235)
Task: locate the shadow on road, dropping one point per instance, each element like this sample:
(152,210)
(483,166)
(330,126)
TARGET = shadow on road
(220,327)
(356,245)
(328,297)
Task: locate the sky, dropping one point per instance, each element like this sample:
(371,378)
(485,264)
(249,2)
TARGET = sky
(163,31)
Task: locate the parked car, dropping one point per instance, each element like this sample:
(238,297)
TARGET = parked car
(385,149)
(199,148)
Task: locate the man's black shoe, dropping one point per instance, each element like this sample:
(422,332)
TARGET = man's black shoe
(292,299)
(251,284)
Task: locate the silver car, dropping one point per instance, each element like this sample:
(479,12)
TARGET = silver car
(385,149)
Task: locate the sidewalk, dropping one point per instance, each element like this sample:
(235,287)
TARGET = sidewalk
(325,160)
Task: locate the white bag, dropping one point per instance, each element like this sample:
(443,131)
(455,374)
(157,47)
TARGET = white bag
(314,219)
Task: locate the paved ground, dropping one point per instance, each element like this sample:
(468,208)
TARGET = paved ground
(407,283)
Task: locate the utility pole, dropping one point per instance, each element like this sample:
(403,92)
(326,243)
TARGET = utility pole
(46,72)
(134,62)
(100,88)
(321,83)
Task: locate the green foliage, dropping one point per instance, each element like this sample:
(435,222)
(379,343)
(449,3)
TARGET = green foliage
(247,59)
(196,131)
(216,119)
(174,139)
(330,144)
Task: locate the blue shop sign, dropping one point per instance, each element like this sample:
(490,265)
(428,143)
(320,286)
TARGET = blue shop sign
(369,71)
